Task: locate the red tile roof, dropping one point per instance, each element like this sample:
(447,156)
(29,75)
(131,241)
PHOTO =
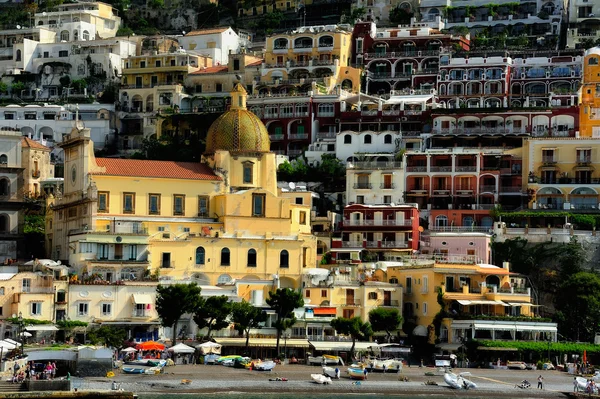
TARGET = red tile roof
(255,63)
(212,69)
(209,31)
(160,169)
(26,142)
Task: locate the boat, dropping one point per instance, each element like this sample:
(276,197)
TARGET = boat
(325,359)
(321,379)
(331,372)
(582,384)
(516,365)
(241,363)
(222,359)
(265,366)
(143,362)
(211,359)
(386,365)
(356,373)
(133,370)
(156,367)
(458,381)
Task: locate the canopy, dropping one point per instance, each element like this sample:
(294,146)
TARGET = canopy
(12,341)
(42,327)
(181,348)
(129,350)
(7,345)
(25,334)
(209,347)
(150,346)
(143,299)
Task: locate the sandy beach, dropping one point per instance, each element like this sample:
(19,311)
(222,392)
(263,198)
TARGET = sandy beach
(204,379)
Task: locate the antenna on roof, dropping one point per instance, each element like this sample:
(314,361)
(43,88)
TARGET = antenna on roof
(18,26)
(292,185)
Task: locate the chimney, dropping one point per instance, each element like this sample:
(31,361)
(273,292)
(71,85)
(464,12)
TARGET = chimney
(506,265)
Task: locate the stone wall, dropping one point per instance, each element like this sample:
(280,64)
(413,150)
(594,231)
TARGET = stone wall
(93,367)
(47,385)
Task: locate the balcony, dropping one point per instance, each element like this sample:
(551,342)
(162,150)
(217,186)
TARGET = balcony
(511,189)
(468,168)
(584,161)
(418,191)
(294,153)
(132,229)
(140,313)
(392,303)
(326,135)
(35,174)
(416,168)
(464,192)
(298,136)
(487,189)
(351,302)
(363,186)
(549,160)
(440,168)
(441,192)
(394,244)
(388,186)
(276,137)
(413,112)
(374,165)
(352,244)
(380,222)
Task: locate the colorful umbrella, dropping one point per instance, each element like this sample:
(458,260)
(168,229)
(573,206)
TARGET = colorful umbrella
(150,346)
(584,356)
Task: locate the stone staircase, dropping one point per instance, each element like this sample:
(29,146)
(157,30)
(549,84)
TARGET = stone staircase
(7,386)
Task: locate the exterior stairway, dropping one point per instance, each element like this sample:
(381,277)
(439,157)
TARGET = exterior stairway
(7,386)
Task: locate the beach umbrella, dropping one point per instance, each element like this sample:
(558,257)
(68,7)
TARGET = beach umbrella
(181,348)
(129,350)
(209,347)
(150,346)
(7,346)
(25,334)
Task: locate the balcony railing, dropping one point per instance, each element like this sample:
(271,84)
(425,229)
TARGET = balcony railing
(140,313)
(374,165)
(470,168)
(352,244)
(548,160)
(326,135)
(440,168)
(392,303)
(382,222)
(487,189)
(511,189)
(363,186)
(276,137)
(387,186)
(298,136)
(416,168)
(351,302)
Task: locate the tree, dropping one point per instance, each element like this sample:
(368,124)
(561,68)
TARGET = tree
(212,313)
(109,336)
(173,301)
(332,170)
(385,319)
(284,301)
(246,317)
(578,305)
(353,327)
(400,15)
(353,16)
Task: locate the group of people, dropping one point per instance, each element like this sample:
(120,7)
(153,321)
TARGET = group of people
(590,387)
(20,374)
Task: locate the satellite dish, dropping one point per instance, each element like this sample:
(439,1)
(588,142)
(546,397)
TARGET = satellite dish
(18,26)
(292,185)
(44,13)
(238,77)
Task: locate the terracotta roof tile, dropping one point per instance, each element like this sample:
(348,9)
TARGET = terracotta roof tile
(160,169)
(209,31)
(26,142)
(255,63)
(212,69)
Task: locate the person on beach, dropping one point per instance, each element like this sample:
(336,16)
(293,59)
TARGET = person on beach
(575,385)
(366,373)
(540,382)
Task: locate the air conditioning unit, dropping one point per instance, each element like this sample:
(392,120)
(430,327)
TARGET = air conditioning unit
(503,76)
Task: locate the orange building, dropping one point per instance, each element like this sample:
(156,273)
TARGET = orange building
(589,100)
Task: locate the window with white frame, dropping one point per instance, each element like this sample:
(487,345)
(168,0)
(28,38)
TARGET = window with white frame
(106,309)
(424,308)
(286,110)
(26,285)
(87,247)
(82,309)
(425,286)
(271,111)
(326,110)
(36,308)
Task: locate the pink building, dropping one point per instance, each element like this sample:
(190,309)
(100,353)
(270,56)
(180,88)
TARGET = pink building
(473,245)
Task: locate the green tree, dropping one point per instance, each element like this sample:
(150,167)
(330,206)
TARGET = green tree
(354,328)
(400,16)
(284,301)
(578,305)
(332,170)
(67,326)
(16,88)
(173,301)
(245,317)
(385,319)
(353,15)
(212,313)
(156,4)
(3,88)
(270,21)
(108,336)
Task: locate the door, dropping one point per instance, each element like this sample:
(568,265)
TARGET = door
(60,314)
(118,251)
(166,259)
(138,82)
(387,181)
(450,283)
(349,296)
(387,298)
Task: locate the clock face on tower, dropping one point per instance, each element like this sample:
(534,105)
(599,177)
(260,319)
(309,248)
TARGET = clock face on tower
(73,174)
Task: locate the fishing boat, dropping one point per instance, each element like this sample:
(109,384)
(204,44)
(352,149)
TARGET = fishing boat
(325,359)
(143,362)
(386,365)
(356,373)
(321,379)
(458,381)
(265,366)
(516,365)
(241,363)
(156,367)
(331,372)
(133,370)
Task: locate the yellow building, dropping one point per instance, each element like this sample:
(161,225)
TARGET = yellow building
(560,173)
(153,83)
(215,222)
(589,100)
(481,300)
(310,58)
(35,159)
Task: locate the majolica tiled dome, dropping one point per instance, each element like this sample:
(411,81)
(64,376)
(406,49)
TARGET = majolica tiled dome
(238,130)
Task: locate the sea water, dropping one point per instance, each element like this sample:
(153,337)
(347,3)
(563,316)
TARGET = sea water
(255,395)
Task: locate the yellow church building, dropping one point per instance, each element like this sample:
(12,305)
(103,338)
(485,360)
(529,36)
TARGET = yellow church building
(589,99)
(218,222)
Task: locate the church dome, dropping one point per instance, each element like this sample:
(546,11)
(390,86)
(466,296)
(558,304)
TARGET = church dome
(238,130)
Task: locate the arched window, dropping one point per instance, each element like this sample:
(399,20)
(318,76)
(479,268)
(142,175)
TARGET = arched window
(225,257)
(252,257)
(284,259)
(75,35)
(3,223)
(368,139)
(387,139)
(4,187)
(348,139)
(200,255)
(18,58)
(64,35)
(468,221)
(441,221)
(86,35)
(394,280)
(223,279)
(3,159)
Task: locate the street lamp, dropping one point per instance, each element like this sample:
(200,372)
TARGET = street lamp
(21,333)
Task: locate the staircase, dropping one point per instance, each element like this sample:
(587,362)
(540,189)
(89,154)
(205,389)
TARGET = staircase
(7,386)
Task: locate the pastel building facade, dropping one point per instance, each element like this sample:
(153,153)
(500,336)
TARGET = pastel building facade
(215,43)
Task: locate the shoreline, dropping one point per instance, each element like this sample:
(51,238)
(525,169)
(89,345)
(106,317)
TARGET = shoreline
(205,379)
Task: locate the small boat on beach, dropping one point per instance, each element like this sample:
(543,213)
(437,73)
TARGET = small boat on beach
(265,366)
(151,367)
(457,381)
(331,372)
(321,379)
(325,359)
(222,359)
(514,365)
(386,365)
(356,373)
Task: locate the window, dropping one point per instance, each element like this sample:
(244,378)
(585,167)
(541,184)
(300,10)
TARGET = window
(387,139)
(102,251)
(202,206)
(106,309)
(258,205)
(0,310)
(409,285)
(219,87)
(86,35)
(372,295)
(128,202)
(26,287)
(387,199)
(593,61)
(199,88)
(225,257)
(200,255)
(299,200)
(36,308)
(284,259)
(63,53)
(178,204)
(236,65)
(360,199)
(302,217)
(142,64)
(157,63)
(393,280)
(307,294)
(347,139)
(1,290)
(348,313)
(323,293)
(368,139)
(82,309)
(18,56)
(103,201)
(248,172)
(154,204)
(424,308)
(425,286)
(252,257)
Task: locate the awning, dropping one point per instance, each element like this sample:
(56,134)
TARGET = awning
(346,249)
(324,311)
(495,348)
(464,302)
(522,304)
(411,99)
(142,299)
(263,342)
(449,346)
(41,328)
(536,328)
(341,345)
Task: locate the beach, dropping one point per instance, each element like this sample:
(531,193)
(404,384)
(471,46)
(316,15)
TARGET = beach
(220,379)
